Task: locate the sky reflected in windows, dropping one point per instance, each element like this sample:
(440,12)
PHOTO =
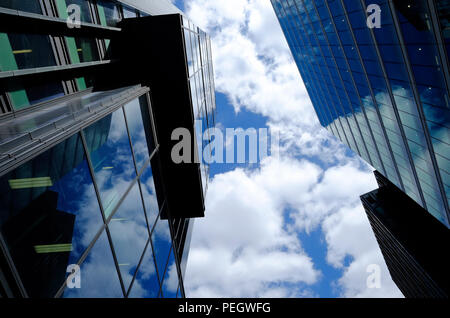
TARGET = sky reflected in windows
(129,234)
(49,214)
(161,244)
(111,157)
(99,277)
(170,283)
(139,126)
(149,195)
(146,284)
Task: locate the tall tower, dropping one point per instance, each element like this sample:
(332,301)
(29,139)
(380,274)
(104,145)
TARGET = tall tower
(377,73)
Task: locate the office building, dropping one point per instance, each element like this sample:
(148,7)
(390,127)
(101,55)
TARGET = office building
(410,240)
(87,108)
(377,73)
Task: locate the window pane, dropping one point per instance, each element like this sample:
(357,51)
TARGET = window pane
(170,283)
(149,195)
(24,51)
(24,96)
(32,6)
(161,243)
(139,126)
(129,12)
(146,284)
(108,13)
(129,234)
(110,152)
(99,278)
(84,9)
(87,50)
(49,214)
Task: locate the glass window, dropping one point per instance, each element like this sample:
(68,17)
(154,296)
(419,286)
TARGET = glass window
(108,12)
(129,12)
(22,51)
(98,274)
(49,214)
(189,57)
(140,128)
(31,94)
(32,6)
(84,9)
(146,284)
(162,243)
(87,49)
(149,195)
(170,282)
(110,152)
(129,234)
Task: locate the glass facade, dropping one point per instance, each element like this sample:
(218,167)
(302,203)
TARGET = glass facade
(381,91)
(91,200)
(20,51)
(201,83)
(82,171)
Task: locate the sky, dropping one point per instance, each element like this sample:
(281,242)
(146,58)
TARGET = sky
(292,225)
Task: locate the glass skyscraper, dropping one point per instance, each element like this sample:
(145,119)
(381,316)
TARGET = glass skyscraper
(86,177)
(383,90)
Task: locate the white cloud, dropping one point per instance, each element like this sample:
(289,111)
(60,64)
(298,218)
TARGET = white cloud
(346,235)
(241,248)
(245,247)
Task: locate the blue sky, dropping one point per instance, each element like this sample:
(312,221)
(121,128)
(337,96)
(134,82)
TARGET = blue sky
(293,225)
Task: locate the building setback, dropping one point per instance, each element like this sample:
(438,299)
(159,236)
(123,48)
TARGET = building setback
(383,91)
(86,176)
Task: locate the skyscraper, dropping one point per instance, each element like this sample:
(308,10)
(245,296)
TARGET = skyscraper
(90,93)
(377,73)
(408,237)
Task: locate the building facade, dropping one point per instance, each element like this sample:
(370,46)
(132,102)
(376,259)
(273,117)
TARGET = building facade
(91,204)
(415,262)
(377,73)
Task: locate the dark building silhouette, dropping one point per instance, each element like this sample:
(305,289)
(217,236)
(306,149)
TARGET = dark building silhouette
(410,240)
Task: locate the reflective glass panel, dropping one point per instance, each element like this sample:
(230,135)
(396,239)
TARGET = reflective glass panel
(22,51)
(149,195)
(129,12)
(24,96)
(140,128)
(146,284)
(32,6)
(49,214)
(170,282)
(83,5)
(110,152)
(108,12)
(87,50)
(98,274)
(129,234)
(161,244)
